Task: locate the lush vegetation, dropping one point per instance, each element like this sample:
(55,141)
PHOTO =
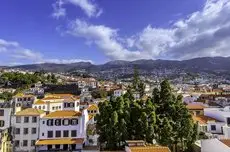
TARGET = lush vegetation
(162,118)
(7,96)
(20,80)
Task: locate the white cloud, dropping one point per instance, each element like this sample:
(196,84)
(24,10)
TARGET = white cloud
(89,8)
(203,33)
(66,61)
(14,54)
(58,10)
(105,38)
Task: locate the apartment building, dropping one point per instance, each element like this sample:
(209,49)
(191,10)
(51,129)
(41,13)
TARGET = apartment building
(63,130)
(23,101)
(26,129)
(54,102)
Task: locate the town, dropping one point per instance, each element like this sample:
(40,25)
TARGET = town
(55,112)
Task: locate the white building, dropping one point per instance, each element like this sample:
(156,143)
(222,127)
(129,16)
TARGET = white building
(5,117)
(63,130)
(26,129)
(223,115)
(56,102)
(119,92)
(215,145)
(23,101)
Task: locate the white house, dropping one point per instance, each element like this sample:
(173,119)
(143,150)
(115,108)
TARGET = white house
(26,129)
(215,145)
(63,130)
(221,114)
(119,92)
(56,102)
(23,101)
(5,117)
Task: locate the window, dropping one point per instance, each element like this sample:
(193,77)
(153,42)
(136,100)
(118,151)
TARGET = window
(71,104)
(57,147)
(65,122)
(73,146)
(95,111)
(16,143)
(2,123)
(34,119)
(228,121)
(35,107)
(74,122)
(34,130)
(65,147)
(1,112)
(17,131)
(26,119)
(43,122)
(32,142)
(25,131)
(53,108)
(49,147)
(59,107)
(50,122)
(65,133)
(74,133)
(18,119)
(58,122)
(58,133)
(43,134)
(50,134)
(65,105)
(68,104)
(25,143)
(39,107)
(213,127)
(43,107)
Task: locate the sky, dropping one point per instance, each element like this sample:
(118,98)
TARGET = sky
(98,31)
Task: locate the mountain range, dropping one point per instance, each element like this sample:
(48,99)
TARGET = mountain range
(120,68)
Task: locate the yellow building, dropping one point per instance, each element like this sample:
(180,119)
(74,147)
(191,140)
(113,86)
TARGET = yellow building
(6,142)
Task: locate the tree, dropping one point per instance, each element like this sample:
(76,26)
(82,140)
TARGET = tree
(174,124)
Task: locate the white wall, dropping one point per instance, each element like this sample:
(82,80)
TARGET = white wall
(6,118)
(218,127)
(213,145)
(28,136)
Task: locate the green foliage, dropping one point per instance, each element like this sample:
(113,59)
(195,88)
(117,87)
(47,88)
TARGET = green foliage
(99,93)
(7,96)
(121,119)
(137,84)
(163,118)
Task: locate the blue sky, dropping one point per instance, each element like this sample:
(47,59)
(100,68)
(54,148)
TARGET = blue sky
(65,31)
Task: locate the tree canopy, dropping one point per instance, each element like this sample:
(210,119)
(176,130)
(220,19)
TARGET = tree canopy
(163,118)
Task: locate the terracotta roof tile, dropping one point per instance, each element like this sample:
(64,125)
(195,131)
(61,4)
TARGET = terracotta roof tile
(149,149)
(60,141)
(195,107)
(203,119)
(226,142)
(63,114)
(39,102)
(30,112)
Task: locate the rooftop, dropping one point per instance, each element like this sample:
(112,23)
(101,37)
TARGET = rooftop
(195,107)
(30,112)
(226,142)
(149,149)
(93,107)
(60,141)
(39,102)
(203,119)
(63,114)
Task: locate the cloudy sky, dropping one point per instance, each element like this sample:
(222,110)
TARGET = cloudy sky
(66,31)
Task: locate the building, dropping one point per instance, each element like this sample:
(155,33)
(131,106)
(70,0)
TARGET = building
(26,129)
(63,130)
(23,101)
(5,117)
(196,109)
(215,145)
(54,102)
(140,146)
(6,144)
(208,124)
(119,92)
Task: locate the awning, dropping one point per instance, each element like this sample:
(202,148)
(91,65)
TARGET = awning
(60,141)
